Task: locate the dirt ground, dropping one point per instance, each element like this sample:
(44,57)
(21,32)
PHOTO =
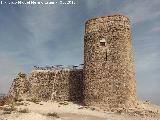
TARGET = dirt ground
(63,111)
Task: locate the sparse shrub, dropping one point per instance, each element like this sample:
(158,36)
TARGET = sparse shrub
(112,110)
(19,103)
(81,108)
(19,100)
(92,108)
(28,99)
(9,108)
(119,111)
(1,108)
(13,107)
(35,100)
(25,110)
(87,107)
(63,103)
(7,112)
(53,115)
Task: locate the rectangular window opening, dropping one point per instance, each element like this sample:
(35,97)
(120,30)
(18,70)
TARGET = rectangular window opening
(102,43)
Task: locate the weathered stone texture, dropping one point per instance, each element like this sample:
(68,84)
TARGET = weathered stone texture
(109,76)
(20,87)
(107,79)
(57,85)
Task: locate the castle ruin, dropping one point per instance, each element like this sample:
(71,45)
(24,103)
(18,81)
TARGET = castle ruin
(107,79)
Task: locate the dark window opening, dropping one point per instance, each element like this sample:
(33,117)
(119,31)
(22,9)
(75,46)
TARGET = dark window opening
(102,43)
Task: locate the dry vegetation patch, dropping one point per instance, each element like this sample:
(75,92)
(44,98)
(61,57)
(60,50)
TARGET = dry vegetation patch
(53,115)
(9,108)
(24,110)
(64,103)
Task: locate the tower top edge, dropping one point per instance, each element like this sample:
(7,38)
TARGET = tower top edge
(110,17)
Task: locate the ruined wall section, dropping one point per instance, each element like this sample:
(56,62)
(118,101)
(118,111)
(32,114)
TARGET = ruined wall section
(41,84)
(57,85)
(109,76)
(20,87)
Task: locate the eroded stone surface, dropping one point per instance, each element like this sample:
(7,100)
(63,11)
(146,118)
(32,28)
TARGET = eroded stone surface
(20,87)
(109,76)
(57,85)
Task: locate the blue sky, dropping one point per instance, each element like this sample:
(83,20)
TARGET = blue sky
(48,35)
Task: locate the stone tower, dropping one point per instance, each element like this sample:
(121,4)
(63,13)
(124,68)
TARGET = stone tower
(109,77)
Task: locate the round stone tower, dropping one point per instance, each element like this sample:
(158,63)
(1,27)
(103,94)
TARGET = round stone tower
(109,76)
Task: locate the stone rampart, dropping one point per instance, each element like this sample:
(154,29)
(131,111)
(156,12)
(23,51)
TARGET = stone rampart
(57,85)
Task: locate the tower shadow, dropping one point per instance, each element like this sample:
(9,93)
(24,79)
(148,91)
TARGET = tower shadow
(76,86)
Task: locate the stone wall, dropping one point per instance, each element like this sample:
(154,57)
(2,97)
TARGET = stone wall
(20,87)
(109,76)
(57,85)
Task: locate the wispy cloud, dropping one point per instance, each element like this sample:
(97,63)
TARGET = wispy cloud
(43,22)
(155,29)
(139,10)
(96,3)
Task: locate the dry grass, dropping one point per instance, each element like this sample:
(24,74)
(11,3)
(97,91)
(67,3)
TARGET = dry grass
(9,108)
(7,112)
(19,100)
(25,110)
(63,103)
(35,100)
(1,108)
(19,103)
(53,115)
